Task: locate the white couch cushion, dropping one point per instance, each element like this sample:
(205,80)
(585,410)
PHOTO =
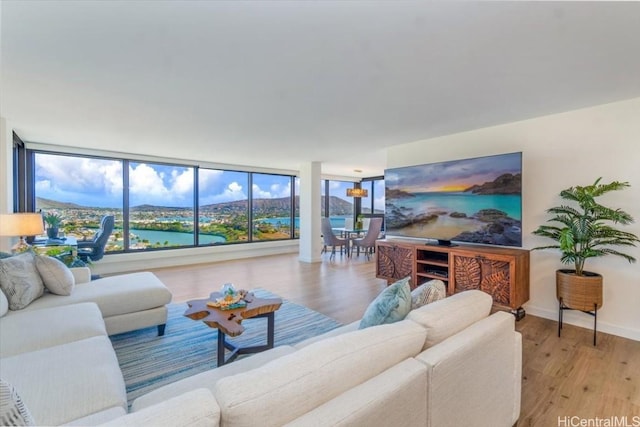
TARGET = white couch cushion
(314,374)
(449,316)
(20,280)
(195,408)
(67,382)
(208,378)
(115,295)
(22,331)
(353,326)
(56,276)
(395,398)
(99,417)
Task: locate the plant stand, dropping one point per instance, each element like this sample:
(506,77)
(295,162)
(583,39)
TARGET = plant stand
(593,313)
(581,293)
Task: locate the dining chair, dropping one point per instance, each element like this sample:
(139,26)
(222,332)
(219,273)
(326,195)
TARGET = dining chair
(368,242)
(332,240)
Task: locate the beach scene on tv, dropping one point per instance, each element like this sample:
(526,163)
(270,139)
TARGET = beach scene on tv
(475,200)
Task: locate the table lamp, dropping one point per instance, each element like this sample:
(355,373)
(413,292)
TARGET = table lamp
(21,225)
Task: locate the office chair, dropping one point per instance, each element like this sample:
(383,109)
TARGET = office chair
(94,249)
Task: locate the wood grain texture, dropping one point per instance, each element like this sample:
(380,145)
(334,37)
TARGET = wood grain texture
(394,262)
(564,376)
(230,321)
(467,272)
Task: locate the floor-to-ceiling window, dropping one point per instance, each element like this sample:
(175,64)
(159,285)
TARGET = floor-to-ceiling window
(81,190)
(224,206)
(161,205)
(340,206)
(271,206)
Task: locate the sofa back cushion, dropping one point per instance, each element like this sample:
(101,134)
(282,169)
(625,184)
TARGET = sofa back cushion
(294,384)
(449,316)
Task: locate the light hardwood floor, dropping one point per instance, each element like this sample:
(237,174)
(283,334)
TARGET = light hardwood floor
(562,377)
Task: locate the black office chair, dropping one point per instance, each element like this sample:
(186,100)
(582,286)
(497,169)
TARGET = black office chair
(94,249)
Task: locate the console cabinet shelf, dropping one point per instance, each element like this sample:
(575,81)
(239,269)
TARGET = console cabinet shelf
(500,271)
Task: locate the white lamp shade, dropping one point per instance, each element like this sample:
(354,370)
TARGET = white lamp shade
(21,224)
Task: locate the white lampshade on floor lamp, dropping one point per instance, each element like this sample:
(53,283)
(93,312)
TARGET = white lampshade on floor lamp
(21,225)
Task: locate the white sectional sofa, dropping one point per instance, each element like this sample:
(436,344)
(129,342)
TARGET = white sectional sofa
(449,363)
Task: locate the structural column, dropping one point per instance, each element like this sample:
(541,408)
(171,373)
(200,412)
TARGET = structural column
(310,198)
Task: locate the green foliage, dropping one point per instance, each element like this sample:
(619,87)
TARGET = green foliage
(586,231)
(53,219)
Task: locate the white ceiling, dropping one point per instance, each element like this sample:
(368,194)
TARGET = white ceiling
(278,84)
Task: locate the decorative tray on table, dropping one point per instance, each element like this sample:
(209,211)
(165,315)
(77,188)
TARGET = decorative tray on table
(230,301)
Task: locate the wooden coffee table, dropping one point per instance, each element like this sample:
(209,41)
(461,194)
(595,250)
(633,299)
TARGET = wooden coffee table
(229,322)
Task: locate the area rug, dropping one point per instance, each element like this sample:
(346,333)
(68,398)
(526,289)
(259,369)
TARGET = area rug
(189,346)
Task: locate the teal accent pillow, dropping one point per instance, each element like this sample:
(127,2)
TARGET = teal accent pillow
(392,305)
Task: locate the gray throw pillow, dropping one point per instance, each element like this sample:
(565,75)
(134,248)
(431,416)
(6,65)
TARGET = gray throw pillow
(57,277)
(20,281)
(428,292)
(13,411)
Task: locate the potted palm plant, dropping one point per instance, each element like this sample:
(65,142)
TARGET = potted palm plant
(53,221)
(584,232)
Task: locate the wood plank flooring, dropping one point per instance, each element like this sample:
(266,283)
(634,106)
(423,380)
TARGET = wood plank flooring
(562,377)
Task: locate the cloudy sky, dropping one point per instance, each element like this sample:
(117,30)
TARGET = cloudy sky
(98,183)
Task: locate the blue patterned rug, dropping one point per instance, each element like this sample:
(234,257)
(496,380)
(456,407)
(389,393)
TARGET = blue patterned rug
(189,346)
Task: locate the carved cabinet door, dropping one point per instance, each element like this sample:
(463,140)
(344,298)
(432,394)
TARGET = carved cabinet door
(394,262)
(490,274)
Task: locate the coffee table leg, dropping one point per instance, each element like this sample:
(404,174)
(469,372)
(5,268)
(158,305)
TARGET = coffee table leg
(223,344)
(221,348)
(270,328)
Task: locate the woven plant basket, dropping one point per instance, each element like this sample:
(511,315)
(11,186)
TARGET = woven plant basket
(579,292)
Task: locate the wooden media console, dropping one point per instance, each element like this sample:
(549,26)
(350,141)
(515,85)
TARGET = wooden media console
(502,272)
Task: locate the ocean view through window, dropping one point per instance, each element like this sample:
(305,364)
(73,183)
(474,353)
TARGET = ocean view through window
(164,206)
(157,207)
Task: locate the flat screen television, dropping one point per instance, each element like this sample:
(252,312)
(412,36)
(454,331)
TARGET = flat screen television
(476,200)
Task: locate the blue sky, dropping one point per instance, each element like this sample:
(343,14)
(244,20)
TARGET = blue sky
(98,183)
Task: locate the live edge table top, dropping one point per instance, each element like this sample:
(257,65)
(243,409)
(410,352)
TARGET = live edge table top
(230,321)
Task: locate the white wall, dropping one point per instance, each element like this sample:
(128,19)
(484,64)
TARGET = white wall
(560,151)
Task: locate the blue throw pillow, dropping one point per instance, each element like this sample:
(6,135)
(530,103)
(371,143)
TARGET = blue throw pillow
(392,305)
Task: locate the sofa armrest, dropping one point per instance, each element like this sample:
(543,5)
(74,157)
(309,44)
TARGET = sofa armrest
(480,366)
(81,274)
(196,408)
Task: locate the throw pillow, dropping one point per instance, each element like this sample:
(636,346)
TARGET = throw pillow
(13,411)
(392,305)
(428,292)
(57,277)
(20,280)
(4,304)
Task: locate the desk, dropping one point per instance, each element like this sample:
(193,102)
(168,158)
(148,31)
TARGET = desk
(41,245)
